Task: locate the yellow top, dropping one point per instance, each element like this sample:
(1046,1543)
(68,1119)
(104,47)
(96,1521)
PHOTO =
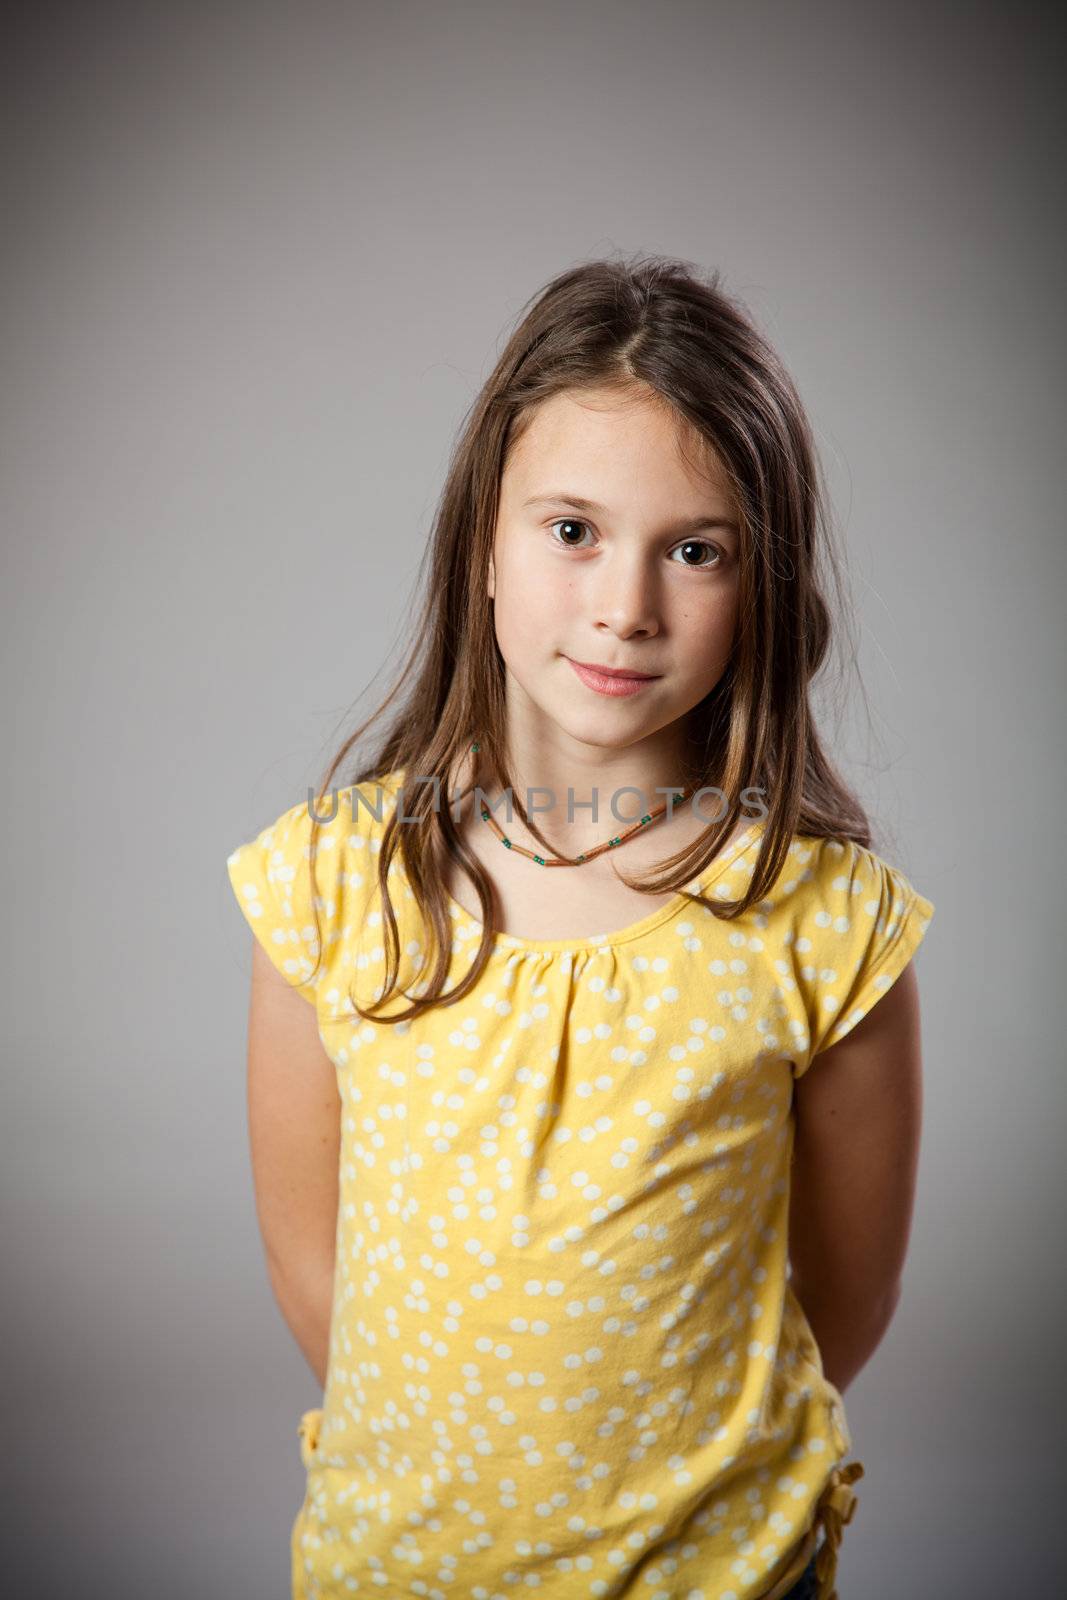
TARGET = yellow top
(564,1350)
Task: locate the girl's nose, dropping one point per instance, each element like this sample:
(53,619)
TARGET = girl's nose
(627,597)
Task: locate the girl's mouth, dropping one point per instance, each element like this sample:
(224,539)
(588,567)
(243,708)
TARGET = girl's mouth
(610,683)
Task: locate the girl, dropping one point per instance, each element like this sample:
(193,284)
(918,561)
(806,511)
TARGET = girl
(581,1249)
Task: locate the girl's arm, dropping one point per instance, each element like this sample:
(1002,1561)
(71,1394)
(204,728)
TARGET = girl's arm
(855,1162)
(294,1121)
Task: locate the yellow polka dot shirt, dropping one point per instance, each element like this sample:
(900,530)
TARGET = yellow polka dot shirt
(565,1355)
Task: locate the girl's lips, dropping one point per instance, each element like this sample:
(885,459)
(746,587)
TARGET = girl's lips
(604,684)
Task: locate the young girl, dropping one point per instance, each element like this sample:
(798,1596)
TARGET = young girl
(582,1249)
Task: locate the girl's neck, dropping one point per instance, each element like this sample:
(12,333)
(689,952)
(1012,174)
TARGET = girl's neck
(559,796)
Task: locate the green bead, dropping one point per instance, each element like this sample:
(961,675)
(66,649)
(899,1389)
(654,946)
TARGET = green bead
(474,747)
(507,842)
(646,819)
(539,860)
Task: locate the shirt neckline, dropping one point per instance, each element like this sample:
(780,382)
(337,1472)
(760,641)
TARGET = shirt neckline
(633,930)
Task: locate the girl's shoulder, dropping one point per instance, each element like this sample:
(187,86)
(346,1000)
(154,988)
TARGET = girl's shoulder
(305,881)
(839,878)
(850,922)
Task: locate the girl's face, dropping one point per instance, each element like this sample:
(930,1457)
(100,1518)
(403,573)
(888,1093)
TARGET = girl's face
(611,550)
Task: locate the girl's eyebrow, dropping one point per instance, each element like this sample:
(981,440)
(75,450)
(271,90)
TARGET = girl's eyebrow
(690,525)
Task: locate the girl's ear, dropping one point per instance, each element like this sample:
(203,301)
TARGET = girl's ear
(491,585)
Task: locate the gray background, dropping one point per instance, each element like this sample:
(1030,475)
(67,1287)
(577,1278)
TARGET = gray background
(257,261)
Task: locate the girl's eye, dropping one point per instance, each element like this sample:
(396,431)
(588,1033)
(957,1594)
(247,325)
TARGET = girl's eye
(689,545)
(702,544)
(567,522)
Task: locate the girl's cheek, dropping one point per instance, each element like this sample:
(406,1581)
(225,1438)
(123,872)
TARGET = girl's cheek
(542,586)
(525,616)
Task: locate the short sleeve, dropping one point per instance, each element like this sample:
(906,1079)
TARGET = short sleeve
(864,924)
(272,880)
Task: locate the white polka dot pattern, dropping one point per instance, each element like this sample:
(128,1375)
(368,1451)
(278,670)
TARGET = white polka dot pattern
(564,1353)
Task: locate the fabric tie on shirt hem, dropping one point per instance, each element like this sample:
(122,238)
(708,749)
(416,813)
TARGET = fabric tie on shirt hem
(834,1507)
(308,1428)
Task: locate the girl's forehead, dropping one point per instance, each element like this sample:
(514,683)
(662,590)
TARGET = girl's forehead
(584,434)
(597,409)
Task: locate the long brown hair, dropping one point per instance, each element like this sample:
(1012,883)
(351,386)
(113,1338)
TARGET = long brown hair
(662,327)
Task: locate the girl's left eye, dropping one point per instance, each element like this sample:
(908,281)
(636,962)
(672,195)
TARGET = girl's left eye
(689,544)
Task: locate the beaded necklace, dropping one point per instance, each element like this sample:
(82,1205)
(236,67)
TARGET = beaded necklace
(588,855)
